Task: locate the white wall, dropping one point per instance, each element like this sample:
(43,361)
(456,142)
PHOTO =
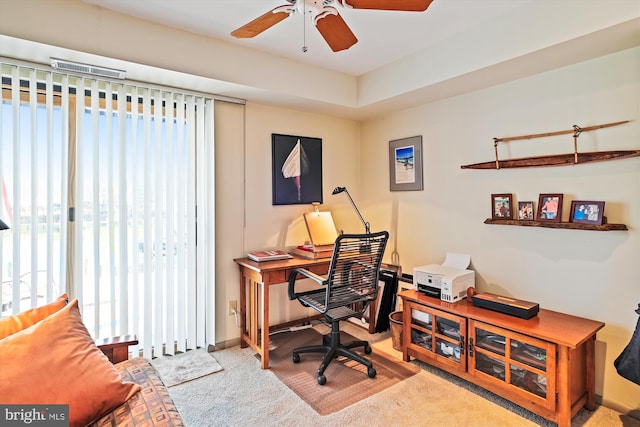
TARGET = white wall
(251,222)
(229,152)
(585,273)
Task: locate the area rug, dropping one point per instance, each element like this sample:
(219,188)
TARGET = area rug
(185,367)
(347,381)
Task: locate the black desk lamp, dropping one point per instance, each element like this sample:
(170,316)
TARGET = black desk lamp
(339,190)
(3,225)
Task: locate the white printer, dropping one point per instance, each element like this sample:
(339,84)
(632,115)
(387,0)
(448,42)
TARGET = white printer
(448,281)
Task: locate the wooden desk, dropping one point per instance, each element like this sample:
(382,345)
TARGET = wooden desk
(255,279)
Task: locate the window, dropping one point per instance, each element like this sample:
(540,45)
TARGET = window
(100,191)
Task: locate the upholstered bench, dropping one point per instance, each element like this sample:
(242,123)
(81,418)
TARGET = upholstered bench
(151,406)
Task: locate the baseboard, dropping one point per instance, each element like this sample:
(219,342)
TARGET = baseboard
(224,344)
(632,412)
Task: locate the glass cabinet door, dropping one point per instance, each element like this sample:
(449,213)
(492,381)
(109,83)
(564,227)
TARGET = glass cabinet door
(490,341)
(448,338)
(421,329)
(438,335)
(526,363)
(531,356)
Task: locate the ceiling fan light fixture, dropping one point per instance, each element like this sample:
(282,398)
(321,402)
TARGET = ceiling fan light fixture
(326,18)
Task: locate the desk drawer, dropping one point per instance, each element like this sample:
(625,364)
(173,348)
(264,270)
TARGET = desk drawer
(276,276)
(320,269)
(281,276)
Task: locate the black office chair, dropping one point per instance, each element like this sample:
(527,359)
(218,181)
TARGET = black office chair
(348,288)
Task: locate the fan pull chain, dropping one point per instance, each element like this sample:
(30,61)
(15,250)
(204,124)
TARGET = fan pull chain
(304,28)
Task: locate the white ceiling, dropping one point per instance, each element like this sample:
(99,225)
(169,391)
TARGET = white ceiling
(402,59)
(383,36)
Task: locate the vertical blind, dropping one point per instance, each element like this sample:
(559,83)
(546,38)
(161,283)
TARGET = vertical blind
(109,196)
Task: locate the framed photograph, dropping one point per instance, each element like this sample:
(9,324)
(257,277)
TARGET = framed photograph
(405,164)
(501,206)
(525,211)
(296,170)
(550,207)
(587,212)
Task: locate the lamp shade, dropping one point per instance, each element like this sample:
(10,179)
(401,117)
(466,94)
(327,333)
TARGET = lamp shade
(338,190)
(3,225)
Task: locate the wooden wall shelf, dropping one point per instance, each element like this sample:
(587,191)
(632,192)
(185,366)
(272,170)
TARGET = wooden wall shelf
(566,225)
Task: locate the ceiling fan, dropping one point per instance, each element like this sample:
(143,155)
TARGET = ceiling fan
(326,18)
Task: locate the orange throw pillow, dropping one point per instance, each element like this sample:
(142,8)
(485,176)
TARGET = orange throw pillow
(12,324)
(56,362)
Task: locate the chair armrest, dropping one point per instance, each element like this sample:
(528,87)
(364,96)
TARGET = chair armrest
(116,348)
(322,280)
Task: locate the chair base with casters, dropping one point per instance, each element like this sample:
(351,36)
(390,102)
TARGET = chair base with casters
(347,290)
(332,347)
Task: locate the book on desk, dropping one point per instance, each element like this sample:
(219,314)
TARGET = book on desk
(272,255)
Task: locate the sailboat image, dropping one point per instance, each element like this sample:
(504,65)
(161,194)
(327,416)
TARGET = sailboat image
(296,165)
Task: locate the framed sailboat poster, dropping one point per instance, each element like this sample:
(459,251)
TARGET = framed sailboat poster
(405,164)
(296,169)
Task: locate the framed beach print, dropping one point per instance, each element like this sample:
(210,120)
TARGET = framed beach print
(525,211)
(296,170)
(501,206)
(405,164)
(549,207)
(587,212)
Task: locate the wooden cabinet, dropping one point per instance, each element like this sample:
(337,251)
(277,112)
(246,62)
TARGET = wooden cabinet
(545,364)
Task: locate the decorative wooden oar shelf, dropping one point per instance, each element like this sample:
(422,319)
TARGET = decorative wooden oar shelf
(574,158)
(566,225)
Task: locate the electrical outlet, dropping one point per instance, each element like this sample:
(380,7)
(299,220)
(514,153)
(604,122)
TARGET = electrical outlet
(233,307)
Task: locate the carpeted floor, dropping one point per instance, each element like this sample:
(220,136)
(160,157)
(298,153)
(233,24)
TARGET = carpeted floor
(245,395)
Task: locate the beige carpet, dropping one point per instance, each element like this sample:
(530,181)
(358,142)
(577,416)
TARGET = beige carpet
(347,381)
(184,367)
(244,395)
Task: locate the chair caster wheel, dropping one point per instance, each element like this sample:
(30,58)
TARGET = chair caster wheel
(322,380)
(371,372)
(296,358)
(367,349)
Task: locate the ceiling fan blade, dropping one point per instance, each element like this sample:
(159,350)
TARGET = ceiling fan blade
(336,32)
(261,23)
(405,5)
